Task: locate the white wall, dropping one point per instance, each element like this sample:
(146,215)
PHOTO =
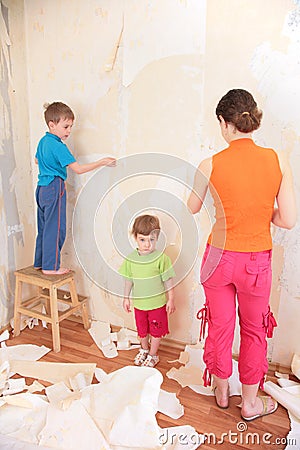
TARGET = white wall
(143,79)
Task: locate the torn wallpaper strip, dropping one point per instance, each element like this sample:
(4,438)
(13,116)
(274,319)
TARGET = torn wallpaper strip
(27,352)
(53,372)
(116,414)
(191,373)
(289,397)
(296,365)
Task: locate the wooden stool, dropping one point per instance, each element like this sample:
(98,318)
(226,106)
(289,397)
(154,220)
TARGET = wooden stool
(48,295)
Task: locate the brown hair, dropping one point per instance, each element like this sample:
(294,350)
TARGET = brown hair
(146,225)
(56,111)
(239,108)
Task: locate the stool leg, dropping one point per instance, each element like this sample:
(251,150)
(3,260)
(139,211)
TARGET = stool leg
(85,315)
(47,306)
(75,301)
(73,293)
(18,301)
(54,319)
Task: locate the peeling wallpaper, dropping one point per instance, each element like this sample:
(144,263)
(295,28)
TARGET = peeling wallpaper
(11,225)
(277,73)
(143,78)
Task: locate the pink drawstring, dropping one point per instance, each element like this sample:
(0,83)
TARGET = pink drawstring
(261,383)
(269,323)
(206,378)
(202,316)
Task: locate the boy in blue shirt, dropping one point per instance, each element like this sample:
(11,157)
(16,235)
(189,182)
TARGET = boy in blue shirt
(53,157)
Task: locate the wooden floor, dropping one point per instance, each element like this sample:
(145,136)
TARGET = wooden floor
(201,411)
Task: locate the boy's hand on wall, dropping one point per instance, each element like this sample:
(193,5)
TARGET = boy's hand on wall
(111,162)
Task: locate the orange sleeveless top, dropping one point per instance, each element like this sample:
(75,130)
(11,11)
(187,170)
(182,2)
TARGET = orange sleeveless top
(244,182)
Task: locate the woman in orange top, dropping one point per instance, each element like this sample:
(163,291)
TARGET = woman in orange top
(245,180)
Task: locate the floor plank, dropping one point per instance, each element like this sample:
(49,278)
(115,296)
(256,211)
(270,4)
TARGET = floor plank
(201,411)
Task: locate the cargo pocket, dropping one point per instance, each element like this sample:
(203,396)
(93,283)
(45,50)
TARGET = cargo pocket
(259,278)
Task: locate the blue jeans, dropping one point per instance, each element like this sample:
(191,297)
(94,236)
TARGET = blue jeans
(51,220)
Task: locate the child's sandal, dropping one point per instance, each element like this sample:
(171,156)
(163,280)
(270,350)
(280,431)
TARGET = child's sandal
(151,361)
(140,357)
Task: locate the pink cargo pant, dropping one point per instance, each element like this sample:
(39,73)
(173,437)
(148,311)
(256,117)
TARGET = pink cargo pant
(225,276)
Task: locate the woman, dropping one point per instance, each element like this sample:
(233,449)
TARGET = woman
(245,180)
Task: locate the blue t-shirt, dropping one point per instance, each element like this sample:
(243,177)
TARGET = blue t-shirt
(53,158)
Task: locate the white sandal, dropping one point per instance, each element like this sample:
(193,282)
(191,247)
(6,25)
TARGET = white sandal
(140,357)
(151,361)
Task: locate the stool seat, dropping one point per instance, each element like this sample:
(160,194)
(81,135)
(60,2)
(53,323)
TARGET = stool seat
(44,305)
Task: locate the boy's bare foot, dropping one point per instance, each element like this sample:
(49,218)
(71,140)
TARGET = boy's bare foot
(60,271)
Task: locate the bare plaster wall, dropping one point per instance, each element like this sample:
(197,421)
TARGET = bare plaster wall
(143,79)
(258,49)
(16,185)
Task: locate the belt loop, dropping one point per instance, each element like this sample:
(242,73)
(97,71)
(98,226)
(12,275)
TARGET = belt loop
(253,256)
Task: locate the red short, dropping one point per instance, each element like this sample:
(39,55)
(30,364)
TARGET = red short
(153,322)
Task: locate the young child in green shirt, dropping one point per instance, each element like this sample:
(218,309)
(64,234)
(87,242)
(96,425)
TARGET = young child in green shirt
(148,277)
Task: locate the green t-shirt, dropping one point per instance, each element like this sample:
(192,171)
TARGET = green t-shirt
(148,274)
